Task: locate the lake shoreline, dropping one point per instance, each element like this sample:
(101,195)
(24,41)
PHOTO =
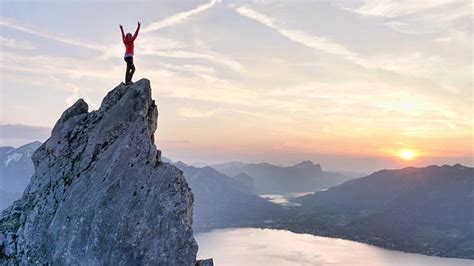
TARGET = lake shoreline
(379,242)
(344,226)
(257,237)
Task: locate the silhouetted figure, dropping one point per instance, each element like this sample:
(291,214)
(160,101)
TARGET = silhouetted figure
(128,57)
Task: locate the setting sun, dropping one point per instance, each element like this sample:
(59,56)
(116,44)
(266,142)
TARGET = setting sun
(406,154)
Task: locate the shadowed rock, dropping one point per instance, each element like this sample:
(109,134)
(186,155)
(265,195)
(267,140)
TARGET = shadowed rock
(100,193)
(207,262)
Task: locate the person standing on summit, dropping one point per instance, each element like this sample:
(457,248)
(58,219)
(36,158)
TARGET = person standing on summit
(128,57)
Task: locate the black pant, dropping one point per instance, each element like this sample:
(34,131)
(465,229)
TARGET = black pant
(130,69)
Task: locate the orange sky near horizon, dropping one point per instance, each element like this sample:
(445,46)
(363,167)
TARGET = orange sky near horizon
(259,81)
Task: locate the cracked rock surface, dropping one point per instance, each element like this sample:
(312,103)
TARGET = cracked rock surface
(100,193)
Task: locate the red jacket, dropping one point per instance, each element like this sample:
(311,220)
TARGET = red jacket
(128,41)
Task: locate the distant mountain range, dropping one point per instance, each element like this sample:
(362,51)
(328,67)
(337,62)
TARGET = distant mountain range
(222,201)
(427,210)
(268,178)
(16,169)
(424,210)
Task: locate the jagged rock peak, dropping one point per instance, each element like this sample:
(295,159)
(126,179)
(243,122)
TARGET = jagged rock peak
(100,194)
(78,108)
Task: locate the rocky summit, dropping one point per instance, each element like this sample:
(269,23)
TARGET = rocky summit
(100,193)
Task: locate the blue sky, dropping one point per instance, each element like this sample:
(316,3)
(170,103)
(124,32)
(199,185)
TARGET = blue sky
(257,80)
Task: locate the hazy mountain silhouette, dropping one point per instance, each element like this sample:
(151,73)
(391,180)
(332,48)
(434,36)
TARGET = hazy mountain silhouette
(18,134)
(424,210)
(222,201)
(247,182)
(268,178)
(428,210)
(16,169)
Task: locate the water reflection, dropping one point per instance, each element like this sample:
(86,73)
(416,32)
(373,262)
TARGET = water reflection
(284,199)
(251,246)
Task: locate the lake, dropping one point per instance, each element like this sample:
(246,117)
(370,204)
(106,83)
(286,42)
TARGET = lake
(252,246)
(284,199)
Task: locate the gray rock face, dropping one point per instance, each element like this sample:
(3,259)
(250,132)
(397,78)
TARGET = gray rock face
(207,262)
(100,193)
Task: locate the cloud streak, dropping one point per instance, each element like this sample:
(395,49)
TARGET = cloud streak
(301,37)
(178,18)
(416,17)
(49,35)
(276,72)
(409,64)
(392,9)
(16,44)
(114,50)
(209,55)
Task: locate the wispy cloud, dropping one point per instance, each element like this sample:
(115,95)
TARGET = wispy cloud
(407,63)
(382,98)
(46,34)
(397,8)
(311,41)
(152,49)
(416,17)
(178,18)
(65,66)
(187,112)
(77,93)
(206,55)
(403,27)
(152,46)
(283,75)
(16,44)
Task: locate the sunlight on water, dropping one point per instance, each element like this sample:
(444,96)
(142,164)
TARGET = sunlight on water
(251,246)
(284,200)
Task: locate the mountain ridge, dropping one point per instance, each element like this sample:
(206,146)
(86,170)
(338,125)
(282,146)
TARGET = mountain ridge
(222,201)
(425,210)
(16,169)
(304,176)
(100,192)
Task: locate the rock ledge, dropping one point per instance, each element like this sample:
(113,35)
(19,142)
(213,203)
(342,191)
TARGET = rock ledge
(100,193)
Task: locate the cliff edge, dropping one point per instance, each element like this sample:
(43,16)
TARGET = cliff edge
(100,193)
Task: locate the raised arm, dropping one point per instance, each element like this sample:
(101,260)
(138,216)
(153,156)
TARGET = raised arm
(123,34)
(136,32)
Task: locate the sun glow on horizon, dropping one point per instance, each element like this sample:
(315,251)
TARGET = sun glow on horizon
(407,154)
